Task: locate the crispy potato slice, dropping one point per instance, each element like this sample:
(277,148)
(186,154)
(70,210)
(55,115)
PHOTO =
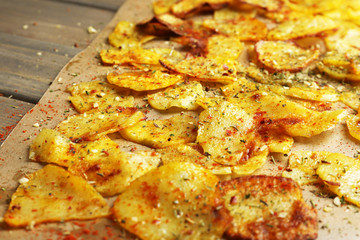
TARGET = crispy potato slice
(112,171)
(342,175)
(144,81)
(351,98)
(98,95)
(251,165)
(93,125)
(284,55)
(188,153)
(338,73)
(353,124)
(346,38)
(52,195)
(245,28)
(162,133)
(271,6)
(230,13)
(302,166)
(126,35)
(162,6)
(184,8)
(181,95)
(175,201)
(220,45)
(267,207)
(304,27)
(314,6)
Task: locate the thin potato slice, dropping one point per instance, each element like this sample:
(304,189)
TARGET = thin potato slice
(304,27)
(220,45)
(162,133)
(302,166)
(187,153)
(98,95)
(162,6)
(93,125)
(54,195)
(251,165)
(338,73)
(184,8)
(353,124)
(284,56)
(268,5)
(175,201)
(245,28)
(230,13)
(144,81)
(266,207)
(342,175)
(126,35)
(345,39)
(182,95)
(351,98)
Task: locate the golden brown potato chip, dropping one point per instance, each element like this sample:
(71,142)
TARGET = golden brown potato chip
(353,124)
(98,95)
(162,133)
(314,6)
(126,35)
(245,28)
(304,27)
(268,5)
(230,13)
(144,81)
(162,6)
(220,46)
(342,175)
(93,125)
(54,195)
(181,95)
(183,8)
(302,166)
(284,55)
(345,39)
(175,201)
(267,207)
(188,153)
(338,73)
(251,165)
(351,98)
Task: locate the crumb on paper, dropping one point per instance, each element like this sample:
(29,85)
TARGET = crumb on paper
(25,27)
(36,125)
(91,30)
(23,180)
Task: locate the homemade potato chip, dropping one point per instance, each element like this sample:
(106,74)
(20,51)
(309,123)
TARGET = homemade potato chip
(302,166)
(183,8)
(353,124)
(229,13)
(245,28)
(267,207)
(175,201)
(54,195)
(345,39)
(314,6)
(272,5)
(342,175)
(284,55)
(126,35)
(251,165)
(351,98)
(220,46)
(144,81)
(305,27)
(187,153)
(93,125)
(98,95)
(181,95)
(162,6)
(162,133)
(338,73)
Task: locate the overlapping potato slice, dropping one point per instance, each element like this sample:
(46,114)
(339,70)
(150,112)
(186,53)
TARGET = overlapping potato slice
(181,128)
(304,27)
(338,73)
(230,13)
(266,207)
(52,194)
(184,8)
(220,46)
(162,6)
(126,35)
(188,153)
(314,6)
(98,95)
(353,124)
(351,98)
(342,175)
(302,166)
(245,28)
(146,80)
(181,95)
(251,165)
(346,38)
(92,125)
(175,201)
(284,55)
(268,5)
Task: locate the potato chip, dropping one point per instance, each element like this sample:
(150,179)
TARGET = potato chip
(284,55)
(93,125)
(251,165)
(305,27)
(54,195)
(302,166)
(314,6)
(345,39)
(181,95)
(144,81)
(230,13)
(183,8)
(267,207)
(162,6)
(175,201)
(338,73)
(188,153)
(245,28)
(272,5)
(162,133)
(98,95)
(342,175)
(220,45)
(353,124)
(351,98)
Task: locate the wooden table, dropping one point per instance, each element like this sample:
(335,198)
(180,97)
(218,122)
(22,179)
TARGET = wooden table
(37,38)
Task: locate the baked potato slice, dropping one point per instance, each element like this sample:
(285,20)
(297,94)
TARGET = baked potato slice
(224,46)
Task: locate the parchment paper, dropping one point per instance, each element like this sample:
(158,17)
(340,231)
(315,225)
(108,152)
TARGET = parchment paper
(341,223)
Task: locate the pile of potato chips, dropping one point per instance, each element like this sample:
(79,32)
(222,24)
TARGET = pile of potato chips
(234,81)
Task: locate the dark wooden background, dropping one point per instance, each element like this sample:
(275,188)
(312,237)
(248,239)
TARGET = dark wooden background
(37,38)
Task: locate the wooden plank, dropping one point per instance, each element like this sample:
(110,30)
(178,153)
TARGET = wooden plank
(52,21)
(111,5)
(12,111)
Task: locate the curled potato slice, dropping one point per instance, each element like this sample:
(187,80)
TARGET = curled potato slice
(184,8)
(177,200)
(284,55)
(52,195)
(338,73)
(162,6)
(353,124)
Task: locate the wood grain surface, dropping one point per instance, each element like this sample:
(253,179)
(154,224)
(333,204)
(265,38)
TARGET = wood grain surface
(37,38)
